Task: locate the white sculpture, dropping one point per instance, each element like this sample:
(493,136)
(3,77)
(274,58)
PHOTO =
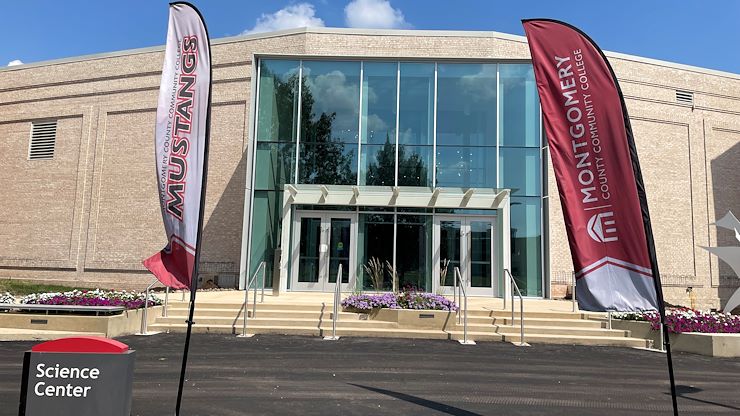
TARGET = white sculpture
(730,255)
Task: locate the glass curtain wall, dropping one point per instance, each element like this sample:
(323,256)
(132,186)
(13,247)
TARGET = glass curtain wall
(372,123)
(520,169)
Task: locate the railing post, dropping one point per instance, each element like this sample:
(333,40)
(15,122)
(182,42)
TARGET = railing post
(335,310)
(573,291)
(246,301)
(145,312)
(609,315)
(661,342)
(464,299)
(264,275)
(166,301)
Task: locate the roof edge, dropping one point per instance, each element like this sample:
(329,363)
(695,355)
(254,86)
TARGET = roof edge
(373,32)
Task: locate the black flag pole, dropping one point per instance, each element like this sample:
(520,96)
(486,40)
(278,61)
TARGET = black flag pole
(201,214)
(645,217)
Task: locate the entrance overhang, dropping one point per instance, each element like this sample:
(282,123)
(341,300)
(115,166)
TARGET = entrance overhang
(395,196)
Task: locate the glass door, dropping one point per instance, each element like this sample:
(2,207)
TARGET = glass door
(466,243)
(321,242)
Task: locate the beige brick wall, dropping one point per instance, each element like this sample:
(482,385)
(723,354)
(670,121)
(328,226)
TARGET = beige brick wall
(91,214)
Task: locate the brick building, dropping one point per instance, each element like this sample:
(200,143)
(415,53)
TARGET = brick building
(345,120)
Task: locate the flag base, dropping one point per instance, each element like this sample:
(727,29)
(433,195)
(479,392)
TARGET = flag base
(331,338)
(245,335)
(463,342)
(521,344)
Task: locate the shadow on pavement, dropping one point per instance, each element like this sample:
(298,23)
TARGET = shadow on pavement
(440,407)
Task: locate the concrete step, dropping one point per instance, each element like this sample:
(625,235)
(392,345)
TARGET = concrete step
(22,334)
(579,323)
(554,339)
(556,330)
(279,321)
(298,330)
(530,329)
(315,306)
(262,313)
(528,314)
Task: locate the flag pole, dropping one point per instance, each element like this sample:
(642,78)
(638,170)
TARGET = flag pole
(650,241)
(201,214)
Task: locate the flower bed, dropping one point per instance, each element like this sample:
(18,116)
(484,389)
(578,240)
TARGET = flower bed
(688,320)
(97,297)
(7,298)
(403,300)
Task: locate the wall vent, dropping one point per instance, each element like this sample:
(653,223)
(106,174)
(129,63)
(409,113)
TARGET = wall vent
(685,97)
(43,140)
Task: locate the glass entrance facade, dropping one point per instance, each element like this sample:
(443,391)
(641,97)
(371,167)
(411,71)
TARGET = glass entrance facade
(406,124)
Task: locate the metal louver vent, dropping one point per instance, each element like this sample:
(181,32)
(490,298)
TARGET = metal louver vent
(43,140)
(685,97)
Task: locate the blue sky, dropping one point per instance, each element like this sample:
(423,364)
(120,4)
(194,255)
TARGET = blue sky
(684,31)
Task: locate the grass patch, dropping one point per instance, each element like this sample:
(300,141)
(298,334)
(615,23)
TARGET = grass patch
(22,287)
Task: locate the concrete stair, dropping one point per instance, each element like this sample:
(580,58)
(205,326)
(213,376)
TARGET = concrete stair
(315,319)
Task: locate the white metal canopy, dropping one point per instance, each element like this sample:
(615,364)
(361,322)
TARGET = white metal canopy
(387,196)
(395,196)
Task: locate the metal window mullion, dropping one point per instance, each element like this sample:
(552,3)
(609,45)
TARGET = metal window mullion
(394,274)
(498,127)
(298,126)
(250,215)
(398,114)
(434,132)
(359,124)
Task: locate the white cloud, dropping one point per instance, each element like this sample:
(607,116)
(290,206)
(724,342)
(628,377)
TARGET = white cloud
(374,14)
(15,62)
(297,15)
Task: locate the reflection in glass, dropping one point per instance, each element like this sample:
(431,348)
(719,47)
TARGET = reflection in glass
(466,167)
(526,237)
(413,255)
(266,226)
(416,112)
(329,163)
(449,250)
(275,165)
(519,103)
(466,104)
(378,163)
(278,101)
(330,101)
(309,253)
(413,165)
(339,249)
(379,102)
(375,240)
(480,254)
(520,170)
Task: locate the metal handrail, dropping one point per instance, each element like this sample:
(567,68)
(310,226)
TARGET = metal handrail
(254,301)
(166,301)
(521,307)
(335,310)
(145,314)
(464,297)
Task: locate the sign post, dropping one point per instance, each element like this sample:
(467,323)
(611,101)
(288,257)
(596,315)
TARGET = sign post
(81,376)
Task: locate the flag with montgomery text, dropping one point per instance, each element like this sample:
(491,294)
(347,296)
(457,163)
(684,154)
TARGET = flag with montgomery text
(596,168)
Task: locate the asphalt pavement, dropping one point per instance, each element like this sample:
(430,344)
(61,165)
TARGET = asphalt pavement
(292,375)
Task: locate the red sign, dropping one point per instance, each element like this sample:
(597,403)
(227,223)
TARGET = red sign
(596,169)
